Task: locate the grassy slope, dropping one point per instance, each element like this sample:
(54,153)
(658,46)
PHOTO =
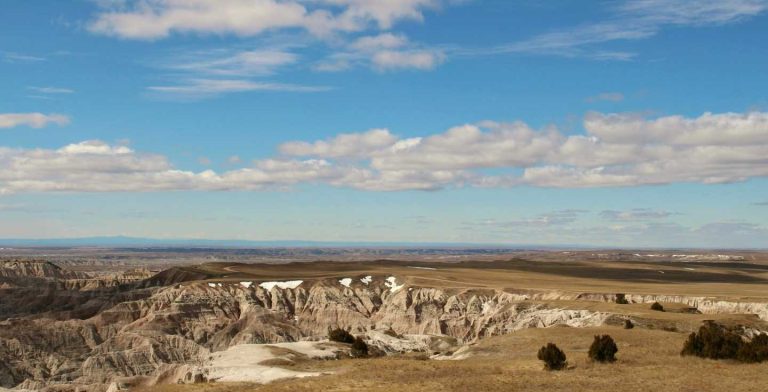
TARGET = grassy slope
(648,360)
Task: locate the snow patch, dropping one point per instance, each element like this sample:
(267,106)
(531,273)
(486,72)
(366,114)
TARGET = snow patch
(242,363)
(212,285)
(422,268)
(246,284)
(367,279)
(346,282)
(290,284)
(391,283)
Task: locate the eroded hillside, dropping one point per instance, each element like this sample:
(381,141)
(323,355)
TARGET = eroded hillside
(68,330)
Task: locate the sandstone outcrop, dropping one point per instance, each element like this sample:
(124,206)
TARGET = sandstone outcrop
(58,333)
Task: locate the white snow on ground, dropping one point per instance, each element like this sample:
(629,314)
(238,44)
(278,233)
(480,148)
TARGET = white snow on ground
(367,279)
(211,284)
(241,363)
(392,284)
(422,268)
(246,284)
(290,284)
(346,282)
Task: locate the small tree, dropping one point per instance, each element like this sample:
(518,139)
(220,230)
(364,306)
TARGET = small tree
(754,351)
(621,299)
(713,341)
(340,335)
(603,349)
(553,357)
(359,348)
(628,324)
(657,307)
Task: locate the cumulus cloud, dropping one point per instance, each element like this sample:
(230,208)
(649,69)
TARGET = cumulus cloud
(354,145)
(155,19)
(410,59)
(383,52)
(617,150)
(95,166)
(471,146)
(32,120)
(728,129)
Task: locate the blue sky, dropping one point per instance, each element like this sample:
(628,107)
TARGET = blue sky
(607,123)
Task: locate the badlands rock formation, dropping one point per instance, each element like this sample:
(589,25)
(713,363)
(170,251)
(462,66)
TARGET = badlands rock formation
(57,330)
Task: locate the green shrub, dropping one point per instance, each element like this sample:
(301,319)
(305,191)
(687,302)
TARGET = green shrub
(628,324)
(359,348)
(340,335)
(712,341)
(754,351)
(657,307)
(603,349)
(553,357)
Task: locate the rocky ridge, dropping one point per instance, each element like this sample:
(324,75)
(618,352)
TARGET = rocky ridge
(159,328)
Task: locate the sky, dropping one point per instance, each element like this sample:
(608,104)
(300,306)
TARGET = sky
(598,123)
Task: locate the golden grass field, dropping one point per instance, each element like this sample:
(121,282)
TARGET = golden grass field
(740,280)
(648,357)
(648,360)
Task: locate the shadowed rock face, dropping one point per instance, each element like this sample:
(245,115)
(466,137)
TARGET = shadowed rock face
(146,327)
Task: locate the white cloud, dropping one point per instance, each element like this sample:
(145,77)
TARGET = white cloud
(411,59)
(632,20)
(618,150)
(51,90)
(471,146)
(385,13)
(155,19)
(32,120)
(553,218)
(202,88)
(383,52)
(354,145)
(242,63)
(94,166)
(708,129)
(636,214)
(12,57)
(379,42)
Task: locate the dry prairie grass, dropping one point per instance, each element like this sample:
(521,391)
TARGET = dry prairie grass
(722,280)
(648,360)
